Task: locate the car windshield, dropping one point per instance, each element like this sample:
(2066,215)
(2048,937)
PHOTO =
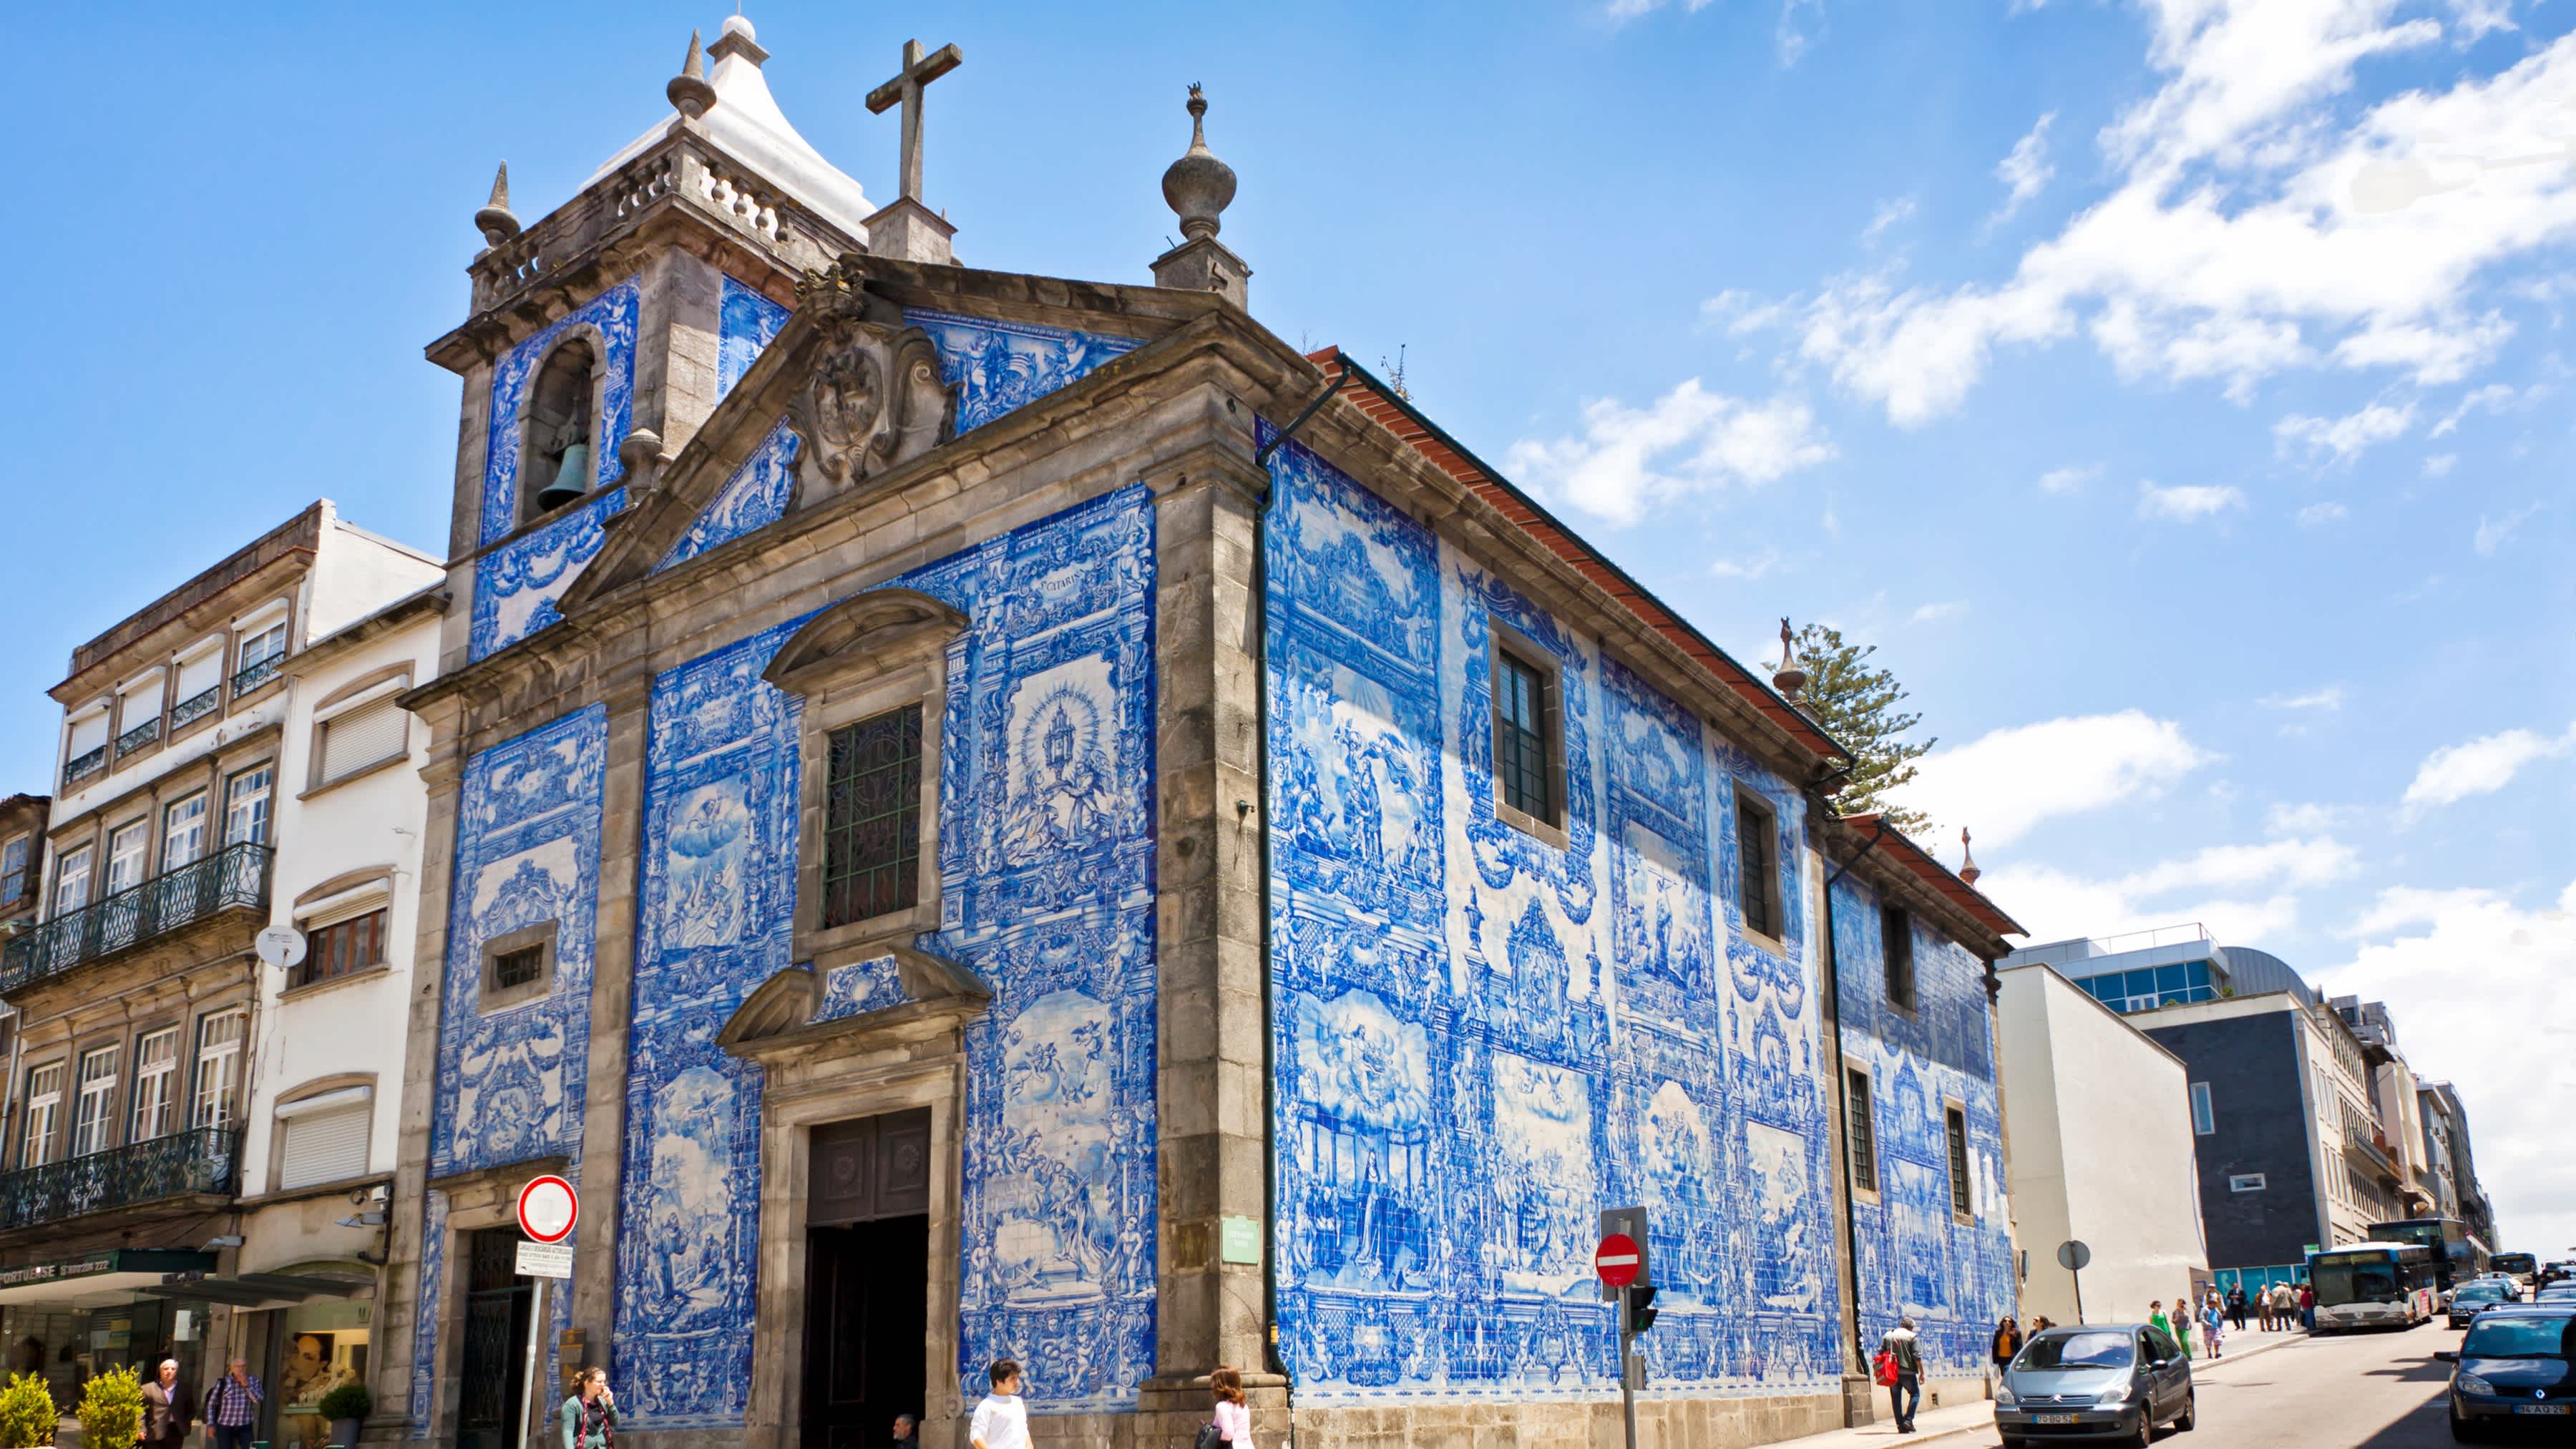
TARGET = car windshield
(2499,1335)
(2077,1351)
(2350,1282)
(2478,1290)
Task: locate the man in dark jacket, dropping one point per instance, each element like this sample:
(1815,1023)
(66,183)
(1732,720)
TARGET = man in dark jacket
(167,1412)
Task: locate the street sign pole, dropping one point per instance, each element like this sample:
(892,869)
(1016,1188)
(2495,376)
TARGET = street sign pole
(1627,1368)
(2078,1275)
(2072,1255)
(528,1419)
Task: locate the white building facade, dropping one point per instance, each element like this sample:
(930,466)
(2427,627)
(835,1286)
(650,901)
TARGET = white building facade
(2098,1121)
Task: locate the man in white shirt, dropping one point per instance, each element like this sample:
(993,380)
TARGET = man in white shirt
(1002,1420)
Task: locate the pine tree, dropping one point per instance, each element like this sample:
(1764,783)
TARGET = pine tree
(1857,704)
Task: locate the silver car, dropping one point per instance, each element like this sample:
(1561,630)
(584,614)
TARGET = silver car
(2109,1382)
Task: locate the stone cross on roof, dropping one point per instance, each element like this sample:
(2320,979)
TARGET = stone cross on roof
(918,71)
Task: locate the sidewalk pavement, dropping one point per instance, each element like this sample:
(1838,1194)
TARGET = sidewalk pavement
(1952,1420)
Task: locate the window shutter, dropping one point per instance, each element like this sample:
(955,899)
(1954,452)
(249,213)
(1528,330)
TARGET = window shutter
(324,1146)
(143,703)
(198,675)
(364,736)
(89,733)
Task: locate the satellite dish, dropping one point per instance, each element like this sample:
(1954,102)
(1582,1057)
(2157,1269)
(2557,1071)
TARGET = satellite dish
(281,946)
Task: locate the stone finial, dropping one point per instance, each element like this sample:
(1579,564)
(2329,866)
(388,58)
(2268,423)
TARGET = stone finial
(1967,859)
(494,220)
(691,94)
(1789,676)
(1198,187)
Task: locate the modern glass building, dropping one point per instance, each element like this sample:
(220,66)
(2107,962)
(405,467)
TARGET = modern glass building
(2141,970)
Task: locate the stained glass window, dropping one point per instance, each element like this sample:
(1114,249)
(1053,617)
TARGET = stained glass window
(872,818)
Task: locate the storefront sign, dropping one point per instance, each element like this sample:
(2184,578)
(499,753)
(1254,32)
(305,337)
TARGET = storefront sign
(111,1260)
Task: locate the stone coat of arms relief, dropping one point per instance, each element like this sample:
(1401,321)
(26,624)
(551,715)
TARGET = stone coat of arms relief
(876,396)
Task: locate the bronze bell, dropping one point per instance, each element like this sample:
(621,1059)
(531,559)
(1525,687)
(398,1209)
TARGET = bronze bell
(571,480)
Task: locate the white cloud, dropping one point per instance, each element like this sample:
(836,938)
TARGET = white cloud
(2067,480)
(1889,214)
(2254,226)
(2495,397)
(2305,819)
(2491,536)
(2185,502)
(1620,10)
(2025,170)
(2321,513)
(2439,465)
(2009,780)
(2418,950)
(2474,18)
(1928,613)
(2345,438)
(2329,699)
(1751,566)
(1796,35)
(2480,767)
(2242,893)
(1689,441)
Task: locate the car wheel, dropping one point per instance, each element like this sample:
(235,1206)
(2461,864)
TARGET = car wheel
(2190,1413)
(2146,1428)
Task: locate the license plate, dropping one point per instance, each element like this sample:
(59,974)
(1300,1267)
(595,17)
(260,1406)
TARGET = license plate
(2053,1418)
(2540,1408)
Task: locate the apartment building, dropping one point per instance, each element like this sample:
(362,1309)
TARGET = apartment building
(197,738)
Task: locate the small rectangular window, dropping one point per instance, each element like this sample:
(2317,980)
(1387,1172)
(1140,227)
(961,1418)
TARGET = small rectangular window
(518,967)
(872,818)
(1861,1129)
(1757,874)
(1522,743)
(2246,1182)
(13,869)
(126,847)
(368,735)
(183,832)
(2201,1120)
(1962,1187)
(94,1114)
(344,948)
(523,967)
(44,1113)
(71,881)
(156,1071)
(262,655)
(1896,943)
(246,807)
(219,1043)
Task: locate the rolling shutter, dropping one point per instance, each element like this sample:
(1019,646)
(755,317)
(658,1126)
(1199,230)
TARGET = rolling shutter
(88,733)
(367,735)
(324,1139)
(198,675)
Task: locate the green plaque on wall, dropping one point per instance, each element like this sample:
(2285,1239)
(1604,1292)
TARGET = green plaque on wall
(1239,1240)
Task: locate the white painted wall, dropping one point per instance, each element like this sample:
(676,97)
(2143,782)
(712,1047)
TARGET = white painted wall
(2097,1120)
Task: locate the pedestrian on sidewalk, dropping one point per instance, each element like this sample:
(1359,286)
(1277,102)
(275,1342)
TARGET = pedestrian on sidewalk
(2308,1306)
(1002,1420)
(232,1407)
(589,1417)
(1906,1394)
(2156,1316)
(2285,1302)
(2263,1306)
(1233,1421)
(2007,1343)
(2236,1307)
(2213,1318)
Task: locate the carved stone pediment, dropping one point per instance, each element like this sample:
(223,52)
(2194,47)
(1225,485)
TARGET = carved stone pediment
(874,395)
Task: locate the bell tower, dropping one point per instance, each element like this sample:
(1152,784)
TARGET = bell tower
(600,335)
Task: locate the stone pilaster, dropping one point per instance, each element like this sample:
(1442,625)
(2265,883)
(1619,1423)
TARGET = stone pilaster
(1214,1138)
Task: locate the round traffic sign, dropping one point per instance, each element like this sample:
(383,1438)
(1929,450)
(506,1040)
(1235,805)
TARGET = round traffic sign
(2072,1255)
(1616,1260)
(280,945)
(548,1207)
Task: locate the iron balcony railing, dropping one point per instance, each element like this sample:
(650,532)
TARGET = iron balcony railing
(85,764)
(252,676)
(137,737)
(196,706)
(199,1160)
(233,878)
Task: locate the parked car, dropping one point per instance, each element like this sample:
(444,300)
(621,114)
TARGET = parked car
(2557,1293)
(2472,1299)
(2115,1382)
(2517,1365)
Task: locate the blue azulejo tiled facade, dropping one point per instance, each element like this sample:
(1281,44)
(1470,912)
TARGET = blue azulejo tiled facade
(1917,1254)
(1482,1037)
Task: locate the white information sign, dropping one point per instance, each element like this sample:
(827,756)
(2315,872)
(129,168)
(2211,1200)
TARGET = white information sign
(545,1260)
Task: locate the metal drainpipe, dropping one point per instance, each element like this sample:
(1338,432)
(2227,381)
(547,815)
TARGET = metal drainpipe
(1278,1363)
(1834,986)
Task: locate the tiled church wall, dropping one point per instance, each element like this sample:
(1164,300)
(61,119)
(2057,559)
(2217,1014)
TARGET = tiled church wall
(1915,1258)
(1482,1037)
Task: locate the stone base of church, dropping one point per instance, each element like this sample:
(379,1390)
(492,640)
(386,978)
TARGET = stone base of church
(1661,1424)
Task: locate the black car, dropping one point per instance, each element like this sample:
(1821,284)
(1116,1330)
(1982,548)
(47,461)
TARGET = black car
(2110,1381)
(2517,1366)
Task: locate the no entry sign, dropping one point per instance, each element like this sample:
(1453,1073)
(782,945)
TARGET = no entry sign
(548,1207)
(1616,1260)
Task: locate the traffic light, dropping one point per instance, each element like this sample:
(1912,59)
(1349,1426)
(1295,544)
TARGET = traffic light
(1641,1307)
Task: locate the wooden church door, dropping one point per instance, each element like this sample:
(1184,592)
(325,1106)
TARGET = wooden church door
(867,1278)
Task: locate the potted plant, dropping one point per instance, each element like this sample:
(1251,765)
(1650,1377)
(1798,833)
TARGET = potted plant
(111,1411)
(347,1407)
(28,1418)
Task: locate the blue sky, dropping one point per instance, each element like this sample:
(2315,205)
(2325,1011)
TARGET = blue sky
(2177,393)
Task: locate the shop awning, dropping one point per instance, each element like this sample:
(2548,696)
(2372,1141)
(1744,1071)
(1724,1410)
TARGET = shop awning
(111,1275)
(259,1290)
